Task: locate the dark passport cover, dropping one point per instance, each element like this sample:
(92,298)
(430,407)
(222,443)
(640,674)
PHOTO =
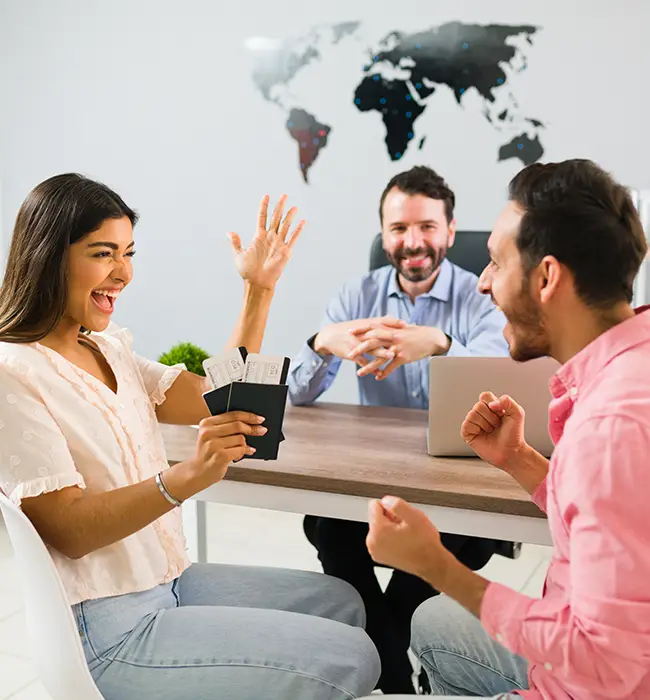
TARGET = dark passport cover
(267,400)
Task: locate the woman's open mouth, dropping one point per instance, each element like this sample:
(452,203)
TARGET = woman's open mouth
(105,299)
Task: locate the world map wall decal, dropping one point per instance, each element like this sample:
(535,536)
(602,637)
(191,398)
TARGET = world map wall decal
(400,79)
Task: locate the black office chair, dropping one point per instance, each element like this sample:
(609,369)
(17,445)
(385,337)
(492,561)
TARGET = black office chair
(470,252)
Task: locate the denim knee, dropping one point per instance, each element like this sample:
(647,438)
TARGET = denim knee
(352,609)
(363,657)
(439,623)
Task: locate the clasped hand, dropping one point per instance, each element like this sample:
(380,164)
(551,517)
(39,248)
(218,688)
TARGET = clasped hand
(392,343)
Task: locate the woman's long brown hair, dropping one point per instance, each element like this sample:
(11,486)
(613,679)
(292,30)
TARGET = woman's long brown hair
(57,213)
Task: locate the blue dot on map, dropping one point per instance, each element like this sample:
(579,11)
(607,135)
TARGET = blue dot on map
(382,100)
(303,145)
(418,85)
(316,142)
(375,77)
(520,146)
(499,80)
(461,91)
(466,45)
(410,134)
(357,101)
(418,46)
(398,155)
(408,115)
(289,125)
(408,97)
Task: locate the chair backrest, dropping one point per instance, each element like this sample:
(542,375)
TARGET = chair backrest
(52,630)
(469,251)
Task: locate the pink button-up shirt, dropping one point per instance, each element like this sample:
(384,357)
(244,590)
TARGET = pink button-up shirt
(588,637)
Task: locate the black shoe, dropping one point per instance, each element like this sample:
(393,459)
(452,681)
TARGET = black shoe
(424,688)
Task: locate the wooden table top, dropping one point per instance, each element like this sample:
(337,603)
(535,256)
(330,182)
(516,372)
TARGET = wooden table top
(369,451)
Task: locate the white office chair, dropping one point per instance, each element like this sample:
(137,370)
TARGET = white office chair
(53,633)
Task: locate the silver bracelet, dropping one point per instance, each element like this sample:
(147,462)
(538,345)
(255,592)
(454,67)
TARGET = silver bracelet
(163,489)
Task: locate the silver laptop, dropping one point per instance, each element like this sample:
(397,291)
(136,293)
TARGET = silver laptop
(455,384)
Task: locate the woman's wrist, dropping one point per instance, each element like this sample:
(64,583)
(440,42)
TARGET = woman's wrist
(257,292)
(184,480)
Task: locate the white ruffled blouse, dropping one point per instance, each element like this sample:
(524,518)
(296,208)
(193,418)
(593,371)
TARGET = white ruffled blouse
(60,426)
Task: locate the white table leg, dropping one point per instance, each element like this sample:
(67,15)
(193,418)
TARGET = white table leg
(194,525)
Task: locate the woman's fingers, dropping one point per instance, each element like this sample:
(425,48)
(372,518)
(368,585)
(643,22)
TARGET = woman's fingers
(277,214)
(286,223)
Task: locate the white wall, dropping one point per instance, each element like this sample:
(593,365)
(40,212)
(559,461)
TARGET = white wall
(156,99)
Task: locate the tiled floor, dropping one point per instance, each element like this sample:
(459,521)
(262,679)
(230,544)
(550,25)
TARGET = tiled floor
(235,536)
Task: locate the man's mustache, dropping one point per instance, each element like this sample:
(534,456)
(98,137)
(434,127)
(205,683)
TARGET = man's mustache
(412,252)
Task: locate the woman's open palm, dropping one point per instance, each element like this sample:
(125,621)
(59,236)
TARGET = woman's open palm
(262,263)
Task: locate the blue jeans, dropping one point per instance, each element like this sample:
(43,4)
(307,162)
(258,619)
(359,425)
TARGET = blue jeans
(231,633)
(459,656)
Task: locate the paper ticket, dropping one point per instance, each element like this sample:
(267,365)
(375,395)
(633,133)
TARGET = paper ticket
(225,368)
(263,369)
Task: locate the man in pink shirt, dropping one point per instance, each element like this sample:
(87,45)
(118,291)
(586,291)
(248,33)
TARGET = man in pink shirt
(564,255)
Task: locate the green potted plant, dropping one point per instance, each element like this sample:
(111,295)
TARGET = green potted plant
(189,354)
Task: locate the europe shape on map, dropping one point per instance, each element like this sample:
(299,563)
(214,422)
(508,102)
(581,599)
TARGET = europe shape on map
(400,78)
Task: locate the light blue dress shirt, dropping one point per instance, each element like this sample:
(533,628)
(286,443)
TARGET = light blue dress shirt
(454,305)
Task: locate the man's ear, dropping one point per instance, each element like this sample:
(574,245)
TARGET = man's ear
(452,233)
(550,275)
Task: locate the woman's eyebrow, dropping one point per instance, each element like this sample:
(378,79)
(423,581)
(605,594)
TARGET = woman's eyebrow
(107,244)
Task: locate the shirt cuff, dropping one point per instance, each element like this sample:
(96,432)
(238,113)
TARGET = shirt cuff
(502,614)
(457,349)
(539,495)
(46,484)
(314,360)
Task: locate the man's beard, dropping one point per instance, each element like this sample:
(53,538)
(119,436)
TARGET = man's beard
(434,258)
(527,338)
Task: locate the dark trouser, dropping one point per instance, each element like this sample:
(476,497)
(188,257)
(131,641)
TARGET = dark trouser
(342,551)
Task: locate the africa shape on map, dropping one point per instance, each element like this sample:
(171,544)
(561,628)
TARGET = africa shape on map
(400,78)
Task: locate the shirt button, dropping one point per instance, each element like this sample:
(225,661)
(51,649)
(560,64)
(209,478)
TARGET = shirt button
(314,364)
(121,405)
(573,391)
(499,637)
(415,394)
(548,666)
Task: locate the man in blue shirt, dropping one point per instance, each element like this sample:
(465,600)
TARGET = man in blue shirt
(390,322)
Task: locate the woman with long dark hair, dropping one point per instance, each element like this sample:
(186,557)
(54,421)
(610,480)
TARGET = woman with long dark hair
(81,451)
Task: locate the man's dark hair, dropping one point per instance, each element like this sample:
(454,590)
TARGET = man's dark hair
(579,214)
(421,180)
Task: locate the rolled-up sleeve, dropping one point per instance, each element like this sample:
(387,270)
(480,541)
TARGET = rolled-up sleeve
(539,496)
(597,636)
(34,455)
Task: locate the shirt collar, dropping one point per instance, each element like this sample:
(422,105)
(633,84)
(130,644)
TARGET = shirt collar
(590,361)
(441,289)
